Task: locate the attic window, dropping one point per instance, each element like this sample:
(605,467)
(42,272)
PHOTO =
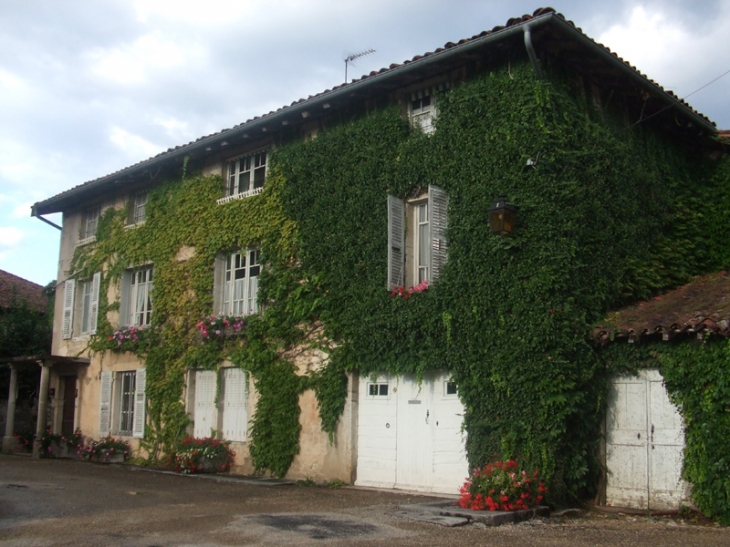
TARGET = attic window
(246,176)
(422,109)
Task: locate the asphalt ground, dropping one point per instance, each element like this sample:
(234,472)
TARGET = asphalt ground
(66,502)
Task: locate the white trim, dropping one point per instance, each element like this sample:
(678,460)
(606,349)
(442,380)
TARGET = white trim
(242,195)
(85,241)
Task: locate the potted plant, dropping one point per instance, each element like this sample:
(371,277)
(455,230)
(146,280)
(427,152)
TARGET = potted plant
(502,486)
(106,450)
(206,455)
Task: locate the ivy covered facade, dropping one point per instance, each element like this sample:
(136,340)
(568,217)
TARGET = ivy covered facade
(292,256)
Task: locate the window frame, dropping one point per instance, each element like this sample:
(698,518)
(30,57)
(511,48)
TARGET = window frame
(89,225)
(422,115)
(403,244)
(129,311)
(255,165)
(138,208)
(122,408)
(126,394)
(226,294)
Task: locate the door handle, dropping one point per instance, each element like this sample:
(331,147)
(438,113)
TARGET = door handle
(426,416)
(652,433)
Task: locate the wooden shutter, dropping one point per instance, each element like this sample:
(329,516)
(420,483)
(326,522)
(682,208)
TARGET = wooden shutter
(125,297)
(94,311)
(396,241)
(68,308)
(205,413)
(140,404)
(105,402)
(219,284)
(438,201)
(235,406)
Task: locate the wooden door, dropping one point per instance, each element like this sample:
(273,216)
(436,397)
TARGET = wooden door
(644,444)
(69,405)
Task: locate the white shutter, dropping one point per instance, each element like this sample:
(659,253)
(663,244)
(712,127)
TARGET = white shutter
(105,402)
(205,414)
(139,404)
(396,241)
(124,298)
(219,285)
(68,308)
(235,408)
(94,311)
(438,201)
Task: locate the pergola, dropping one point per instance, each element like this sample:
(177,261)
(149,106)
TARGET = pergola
(45,362)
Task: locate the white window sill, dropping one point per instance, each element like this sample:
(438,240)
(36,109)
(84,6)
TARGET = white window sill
(85,241)
(83,337)
(133,226)
(242,195)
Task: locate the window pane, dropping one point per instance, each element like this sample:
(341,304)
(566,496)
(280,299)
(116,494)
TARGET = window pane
(383,389)
(244,181)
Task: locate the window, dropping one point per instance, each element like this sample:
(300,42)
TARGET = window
(237,283)
(378,390)
(136,300)
(417,244)
(126,402)
(89,223)
(122,403)
(86,305)
(246,176)
(422,111)
(138,206)
(450,387)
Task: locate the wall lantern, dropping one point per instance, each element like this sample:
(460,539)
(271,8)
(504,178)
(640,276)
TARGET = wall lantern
(502,216)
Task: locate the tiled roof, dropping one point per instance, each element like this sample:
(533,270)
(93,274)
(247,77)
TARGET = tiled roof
(541,14)
(702,306)
(23,290)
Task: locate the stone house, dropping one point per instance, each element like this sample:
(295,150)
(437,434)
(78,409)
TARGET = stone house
(400,430)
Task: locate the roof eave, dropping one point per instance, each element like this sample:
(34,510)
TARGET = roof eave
(59,202)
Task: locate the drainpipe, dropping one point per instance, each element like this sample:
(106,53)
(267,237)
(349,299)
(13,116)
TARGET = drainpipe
(531,52)
(34,213)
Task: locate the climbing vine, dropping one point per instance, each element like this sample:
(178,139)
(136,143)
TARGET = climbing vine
(606,216)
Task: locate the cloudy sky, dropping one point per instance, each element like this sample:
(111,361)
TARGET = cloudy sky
(91,86)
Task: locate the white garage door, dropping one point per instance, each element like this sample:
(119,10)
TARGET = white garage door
(644,444)
(409,436)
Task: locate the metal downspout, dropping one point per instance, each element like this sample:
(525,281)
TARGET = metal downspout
(531,52)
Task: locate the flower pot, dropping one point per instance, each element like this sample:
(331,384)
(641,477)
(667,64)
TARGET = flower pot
(113,457)
(211,465)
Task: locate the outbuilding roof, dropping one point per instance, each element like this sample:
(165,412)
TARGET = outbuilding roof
(700,307)
(550,31)
(14,287)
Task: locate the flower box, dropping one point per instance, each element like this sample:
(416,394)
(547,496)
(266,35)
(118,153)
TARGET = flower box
(115,457)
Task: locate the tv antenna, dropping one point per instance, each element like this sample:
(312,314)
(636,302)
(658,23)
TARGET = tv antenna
(354,56)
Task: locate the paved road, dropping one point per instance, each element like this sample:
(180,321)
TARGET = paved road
(62,502)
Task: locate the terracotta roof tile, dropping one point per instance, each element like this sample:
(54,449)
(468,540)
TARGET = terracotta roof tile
(22,289)
(511,22)
(701,306)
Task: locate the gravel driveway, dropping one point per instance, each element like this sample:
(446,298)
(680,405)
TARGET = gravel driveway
(64,502)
